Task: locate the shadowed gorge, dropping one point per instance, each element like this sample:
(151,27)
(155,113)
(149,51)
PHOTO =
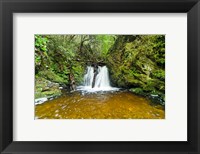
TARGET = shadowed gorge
(100,76)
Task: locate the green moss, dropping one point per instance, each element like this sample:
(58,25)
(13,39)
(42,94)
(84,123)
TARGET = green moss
(52,76)
(137,91)
(46,88)
(78,72)
(140,63)
(160,74)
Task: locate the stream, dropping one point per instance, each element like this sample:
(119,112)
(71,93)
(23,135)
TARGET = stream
(97,99)
(99,105)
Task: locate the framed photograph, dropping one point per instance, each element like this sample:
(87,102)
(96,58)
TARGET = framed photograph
(99,76)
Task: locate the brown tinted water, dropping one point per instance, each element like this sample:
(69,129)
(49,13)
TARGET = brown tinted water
(101,105)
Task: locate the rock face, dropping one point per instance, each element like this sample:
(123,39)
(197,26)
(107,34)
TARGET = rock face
(138,63)
(95,75)
(46,88)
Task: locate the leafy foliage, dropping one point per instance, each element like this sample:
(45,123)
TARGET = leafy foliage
(40,52)
(136,62)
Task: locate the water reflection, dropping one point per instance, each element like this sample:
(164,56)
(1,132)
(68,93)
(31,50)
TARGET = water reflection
(99,105)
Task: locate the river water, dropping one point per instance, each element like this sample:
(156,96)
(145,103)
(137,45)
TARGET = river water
(99,105)
(99,102)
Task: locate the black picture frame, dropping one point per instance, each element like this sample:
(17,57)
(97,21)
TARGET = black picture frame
(8,7)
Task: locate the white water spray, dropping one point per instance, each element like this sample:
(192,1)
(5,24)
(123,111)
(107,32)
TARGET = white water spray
(102,81)
(88,77)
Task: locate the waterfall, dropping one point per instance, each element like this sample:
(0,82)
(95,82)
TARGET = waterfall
(102,81)
(88,77)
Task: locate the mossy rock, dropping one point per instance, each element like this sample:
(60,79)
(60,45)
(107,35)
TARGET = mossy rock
(138,64)
(52,76)
(138,91)
(45,88)
(159,74)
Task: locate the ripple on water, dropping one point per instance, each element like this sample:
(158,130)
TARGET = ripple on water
(99,105)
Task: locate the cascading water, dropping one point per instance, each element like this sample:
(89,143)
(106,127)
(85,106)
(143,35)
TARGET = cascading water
(102,79)
(88,77)
(101,83)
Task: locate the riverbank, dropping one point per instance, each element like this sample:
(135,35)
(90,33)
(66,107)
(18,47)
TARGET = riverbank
(45,88)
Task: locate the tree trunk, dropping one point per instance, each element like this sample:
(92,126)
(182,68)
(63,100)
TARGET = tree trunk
(72,83)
